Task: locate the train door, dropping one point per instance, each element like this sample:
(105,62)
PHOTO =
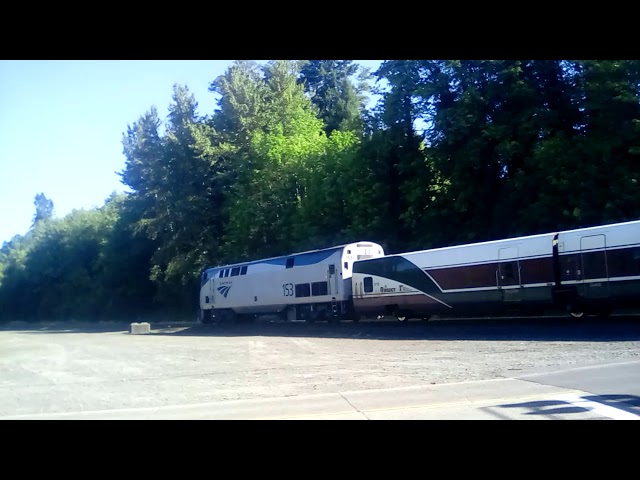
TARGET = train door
(212,291)
(215,285)
(508,274)
(594,278)
(332,279)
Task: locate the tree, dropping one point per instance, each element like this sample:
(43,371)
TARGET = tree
(242,106)
(396,156)
(124,262)
(178,182)
(339,101)
(270,188)
(44,209)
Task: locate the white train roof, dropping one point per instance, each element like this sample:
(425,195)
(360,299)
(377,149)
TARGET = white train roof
(529,246)
(314,256)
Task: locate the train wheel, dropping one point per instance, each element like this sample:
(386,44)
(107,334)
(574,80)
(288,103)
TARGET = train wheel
(206,316)
(402,315)
(576,312)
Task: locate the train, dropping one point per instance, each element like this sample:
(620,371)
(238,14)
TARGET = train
(311,285)
(586,271)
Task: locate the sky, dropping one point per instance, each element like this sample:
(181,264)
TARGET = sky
(62,121)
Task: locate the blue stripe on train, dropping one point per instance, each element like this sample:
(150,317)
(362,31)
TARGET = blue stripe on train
(300,260)
(304,259)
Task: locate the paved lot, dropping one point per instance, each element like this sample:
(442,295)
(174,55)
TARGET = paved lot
(54,369)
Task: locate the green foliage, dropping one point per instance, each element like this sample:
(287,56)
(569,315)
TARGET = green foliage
(242,105)
(266,202)
(44,209)
(395,165)
(178,181)
(338,100)
(56,273)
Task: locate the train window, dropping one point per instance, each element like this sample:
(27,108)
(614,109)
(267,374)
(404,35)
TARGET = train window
(303,290)
(235,271)
(290,262)
(403,265)
(243,270)
(346,265)
(508,270)
(319,288)
(368,284)
(226,272)
(332,269)
(221,274)
(635,268)
(594,264)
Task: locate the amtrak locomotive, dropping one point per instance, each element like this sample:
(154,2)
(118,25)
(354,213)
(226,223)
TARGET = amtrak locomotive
(310,286)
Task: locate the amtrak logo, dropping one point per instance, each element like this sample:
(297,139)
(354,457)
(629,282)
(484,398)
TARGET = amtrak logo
(224,290)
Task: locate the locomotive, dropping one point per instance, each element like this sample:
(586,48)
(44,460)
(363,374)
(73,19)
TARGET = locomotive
(313,285)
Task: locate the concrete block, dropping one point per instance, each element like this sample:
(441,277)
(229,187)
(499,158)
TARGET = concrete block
(140,328)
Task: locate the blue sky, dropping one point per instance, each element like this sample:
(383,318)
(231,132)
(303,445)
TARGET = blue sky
(61,126)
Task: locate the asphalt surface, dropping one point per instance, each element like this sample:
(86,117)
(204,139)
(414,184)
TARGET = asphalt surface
(525,369)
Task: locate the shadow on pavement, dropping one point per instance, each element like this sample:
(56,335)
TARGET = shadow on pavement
(614,329)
